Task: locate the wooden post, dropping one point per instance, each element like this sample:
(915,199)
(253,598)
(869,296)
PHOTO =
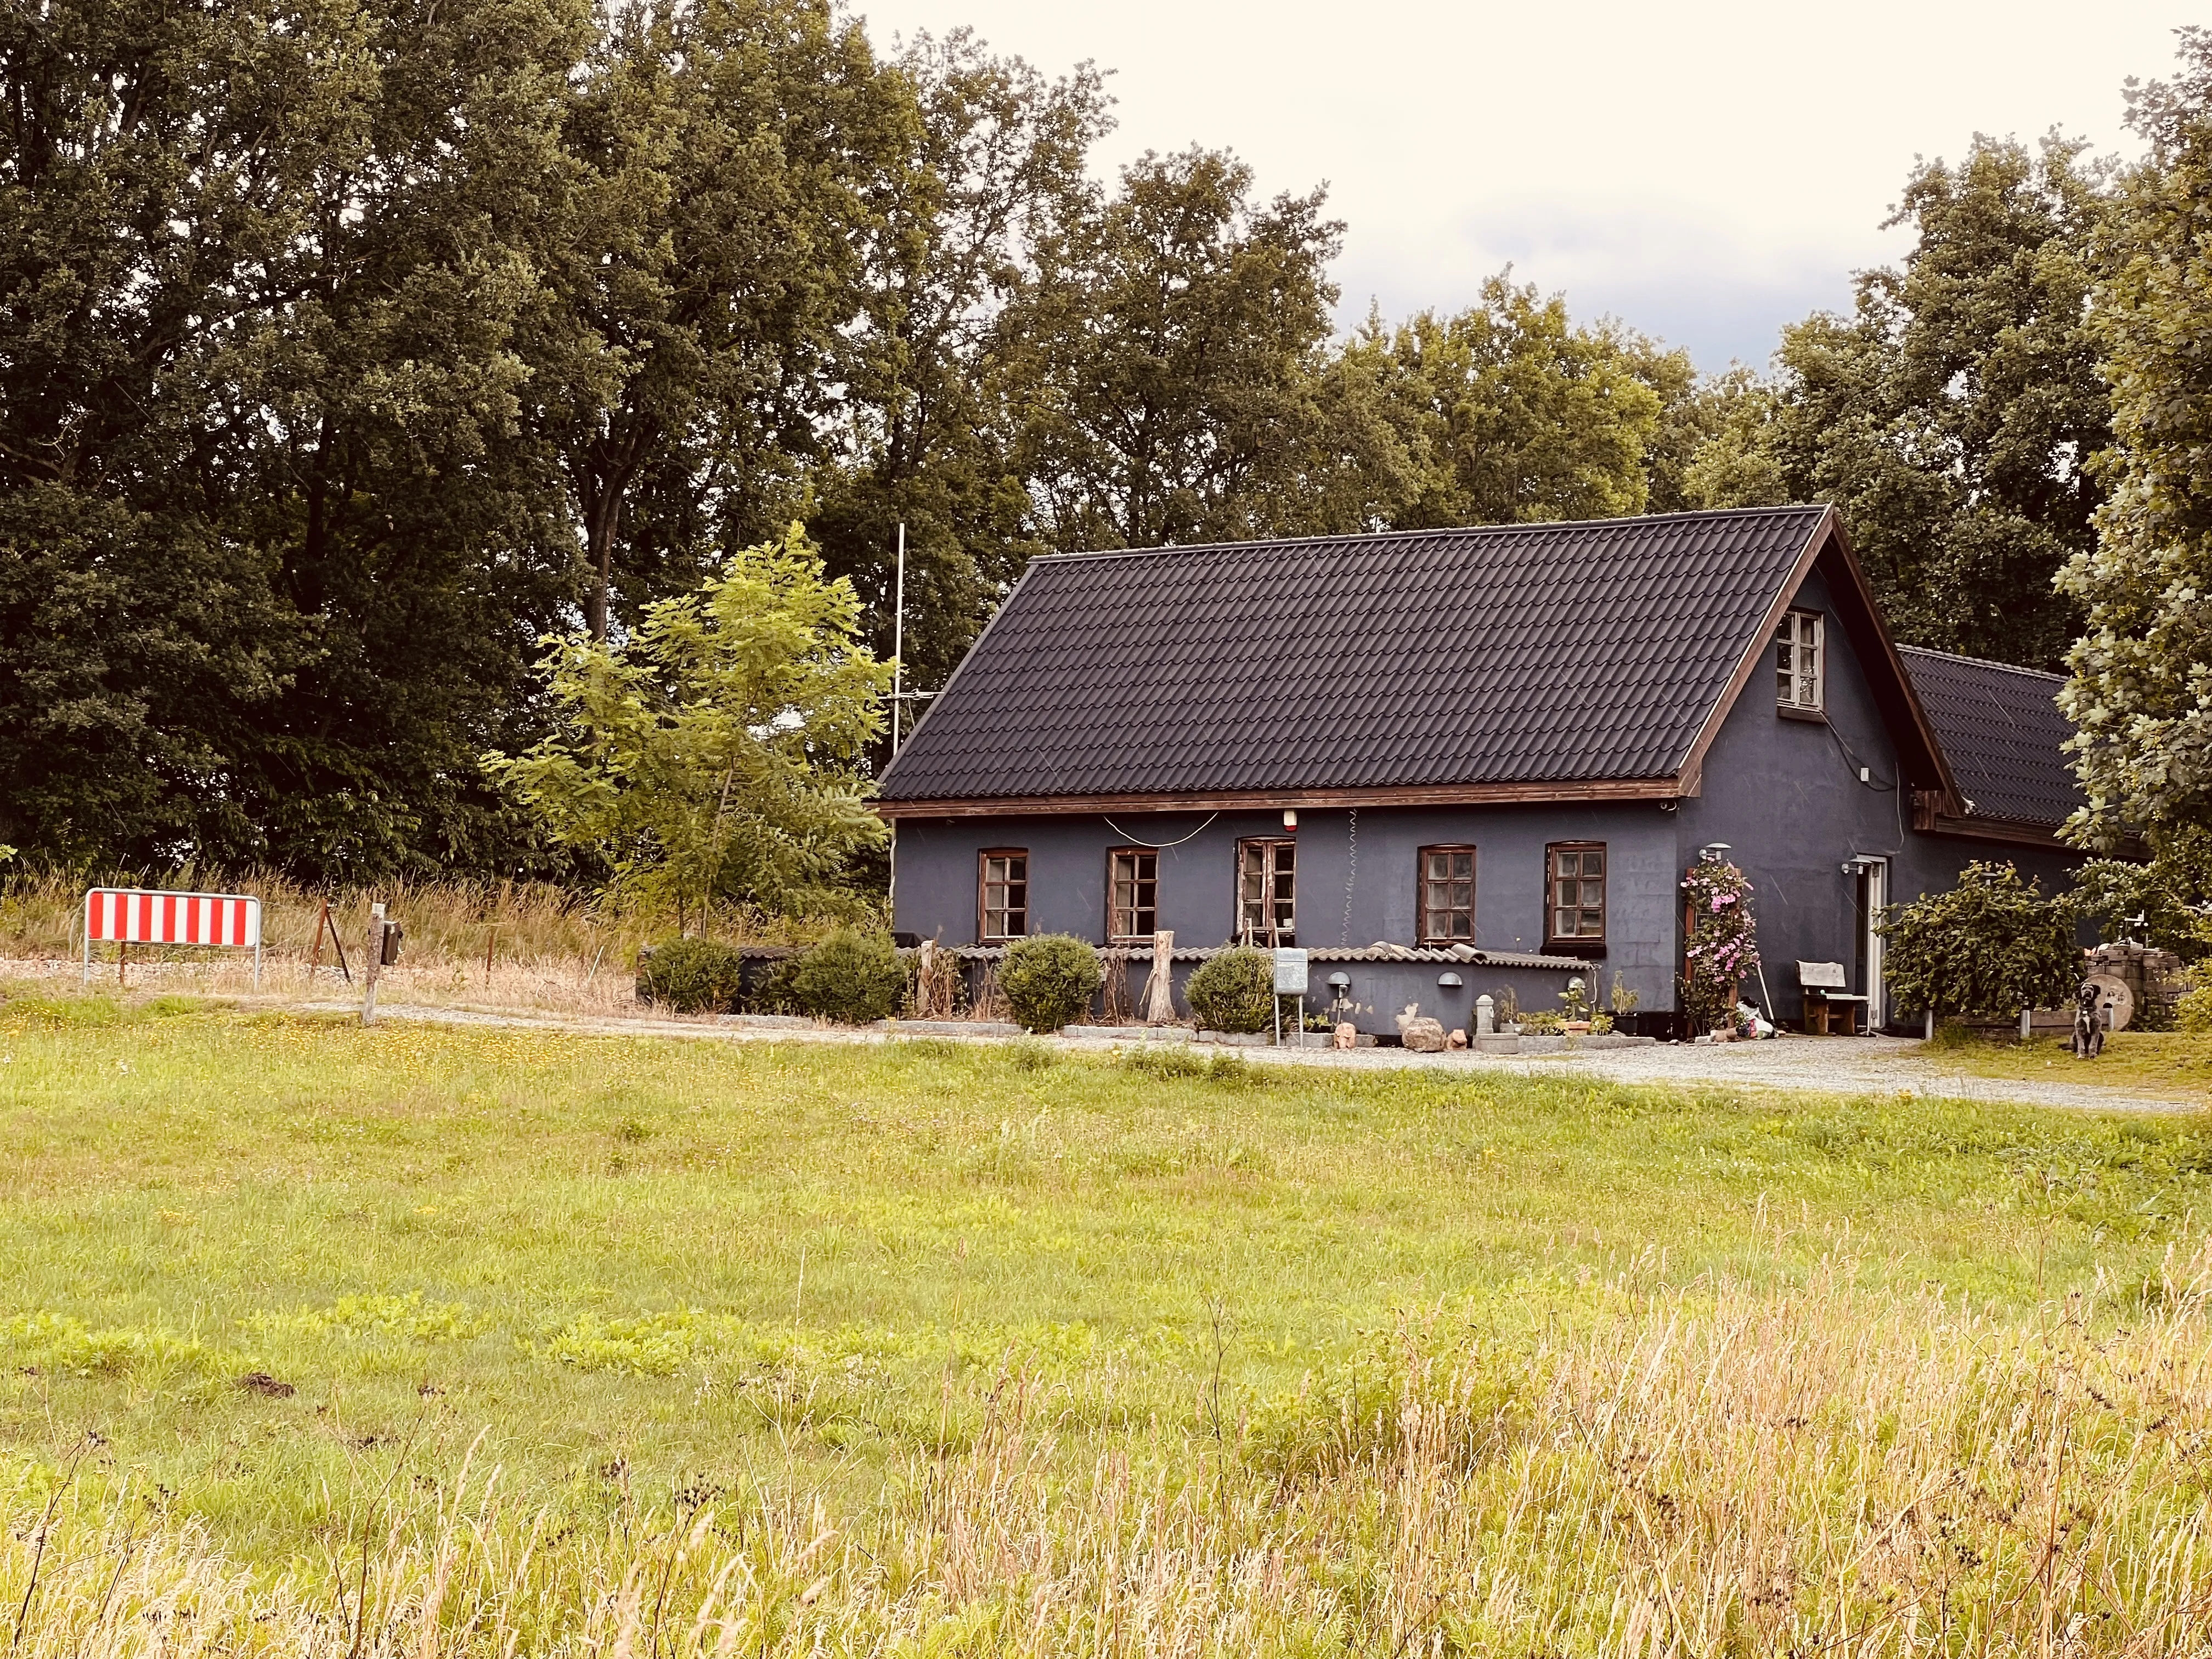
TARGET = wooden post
(1159,989)
(122,959)
(488,939)
(924,971)
(375,963)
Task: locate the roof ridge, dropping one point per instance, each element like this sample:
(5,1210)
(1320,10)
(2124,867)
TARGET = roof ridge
(1540,527)
(1981,662)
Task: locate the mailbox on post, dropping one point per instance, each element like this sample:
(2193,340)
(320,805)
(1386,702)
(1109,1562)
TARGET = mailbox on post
(1290,982)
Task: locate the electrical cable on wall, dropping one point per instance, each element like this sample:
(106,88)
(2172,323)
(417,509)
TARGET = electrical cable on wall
(1856,765)
(1160,846)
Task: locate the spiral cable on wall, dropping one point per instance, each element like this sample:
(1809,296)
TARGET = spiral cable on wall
(1351,873)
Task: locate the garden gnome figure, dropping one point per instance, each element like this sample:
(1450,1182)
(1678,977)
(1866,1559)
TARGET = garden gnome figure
(1486,1015)
(1346,1034)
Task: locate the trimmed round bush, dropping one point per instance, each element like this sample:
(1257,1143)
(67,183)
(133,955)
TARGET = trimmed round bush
(1049,980)
(850,976)
(1234,991)
(692,975)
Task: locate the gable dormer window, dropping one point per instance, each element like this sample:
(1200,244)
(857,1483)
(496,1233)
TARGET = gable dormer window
(1800,672)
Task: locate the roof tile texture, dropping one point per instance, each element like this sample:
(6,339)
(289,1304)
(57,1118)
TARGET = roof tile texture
(1524,653)
(2001,730)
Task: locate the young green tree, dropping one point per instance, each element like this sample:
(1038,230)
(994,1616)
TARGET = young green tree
(712,757)
(1952,416)
(2141,693)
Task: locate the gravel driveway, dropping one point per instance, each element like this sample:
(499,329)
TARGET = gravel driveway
(1852,1065)
(1849,1065)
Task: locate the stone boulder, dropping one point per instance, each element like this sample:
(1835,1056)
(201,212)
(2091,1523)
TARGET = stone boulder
(1424,1036)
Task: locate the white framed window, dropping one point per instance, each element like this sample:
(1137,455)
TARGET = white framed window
(1800,672)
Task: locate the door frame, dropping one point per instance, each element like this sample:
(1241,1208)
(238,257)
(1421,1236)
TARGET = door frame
(1872,896)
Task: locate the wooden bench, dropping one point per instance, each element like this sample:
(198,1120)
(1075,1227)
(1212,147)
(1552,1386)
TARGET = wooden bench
(1827,1000)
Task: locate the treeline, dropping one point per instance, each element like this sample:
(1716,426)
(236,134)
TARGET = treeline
(349,347)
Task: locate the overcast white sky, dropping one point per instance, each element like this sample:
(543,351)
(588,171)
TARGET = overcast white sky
(1705,172)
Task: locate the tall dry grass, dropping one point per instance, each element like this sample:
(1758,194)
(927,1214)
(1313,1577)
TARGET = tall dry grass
(1700,1471)
(506,943)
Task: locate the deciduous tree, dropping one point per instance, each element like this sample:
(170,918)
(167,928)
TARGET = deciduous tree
(2141,687)
(1952,416)
(712,757)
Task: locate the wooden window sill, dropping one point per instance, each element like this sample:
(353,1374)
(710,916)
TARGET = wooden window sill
(1815,716)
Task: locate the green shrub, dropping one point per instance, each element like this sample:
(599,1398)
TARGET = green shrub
(1048,980)
(1543,1022)
(692,975)
(850,976)
(1987,949)
(2192,1009)
(1234,991)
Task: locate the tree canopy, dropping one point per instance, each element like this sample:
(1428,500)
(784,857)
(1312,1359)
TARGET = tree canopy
(1952,414)
(353,349)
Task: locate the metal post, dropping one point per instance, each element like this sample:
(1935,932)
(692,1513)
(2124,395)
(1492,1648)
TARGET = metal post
(898,640)
(375,961)
(257,962)
(122,959)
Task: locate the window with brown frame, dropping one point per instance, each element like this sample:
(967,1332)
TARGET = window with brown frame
(1002,900)
(1574,906)
(1267,892)
(1447,896)
(1132,893)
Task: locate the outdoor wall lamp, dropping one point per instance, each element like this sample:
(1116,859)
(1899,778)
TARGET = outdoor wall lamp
(1450,982)
(1340,983)
(1711,851)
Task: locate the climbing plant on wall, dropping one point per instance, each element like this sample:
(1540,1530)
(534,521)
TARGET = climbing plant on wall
(1720,946)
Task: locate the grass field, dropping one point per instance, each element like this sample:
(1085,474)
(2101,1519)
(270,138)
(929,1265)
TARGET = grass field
(2174,1063)
(426,1339)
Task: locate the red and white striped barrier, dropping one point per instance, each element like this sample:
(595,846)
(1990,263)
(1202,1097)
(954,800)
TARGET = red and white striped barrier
(133,915)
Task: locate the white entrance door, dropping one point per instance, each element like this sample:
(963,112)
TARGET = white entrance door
(1874,894)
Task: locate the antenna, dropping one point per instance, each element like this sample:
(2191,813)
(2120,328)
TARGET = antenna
(898,639)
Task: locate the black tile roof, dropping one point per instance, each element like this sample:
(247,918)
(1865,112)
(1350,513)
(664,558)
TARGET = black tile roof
(1504,655)
(2002,730)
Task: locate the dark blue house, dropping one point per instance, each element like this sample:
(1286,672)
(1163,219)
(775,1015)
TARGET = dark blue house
(1458,761)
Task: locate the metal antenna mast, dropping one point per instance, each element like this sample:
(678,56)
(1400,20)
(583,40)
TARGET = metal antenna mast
(898,640)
